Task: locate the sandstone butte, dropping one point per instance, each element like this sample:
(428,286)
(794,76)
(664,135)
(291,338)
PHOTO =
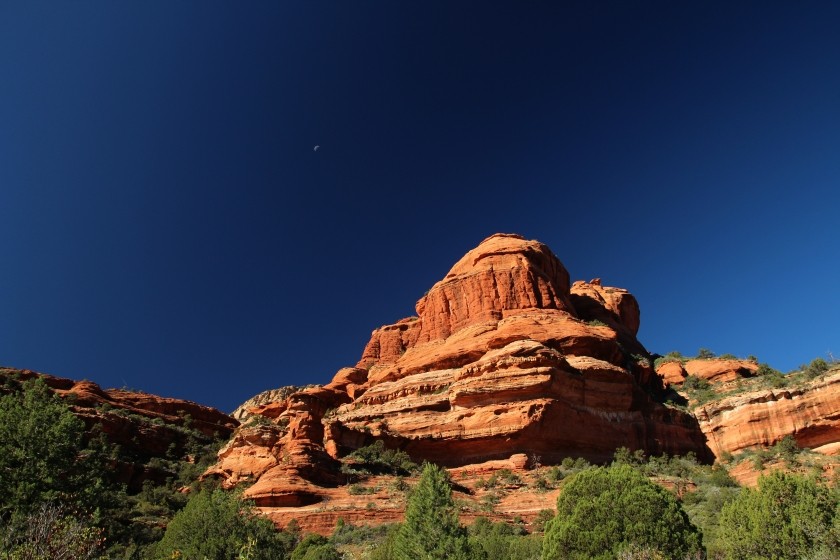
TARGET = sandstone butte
(143,424)
(506,361)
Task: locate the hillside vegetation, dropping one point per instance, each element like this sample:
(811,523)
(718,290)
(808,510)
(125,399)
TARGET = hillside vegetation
(58,500)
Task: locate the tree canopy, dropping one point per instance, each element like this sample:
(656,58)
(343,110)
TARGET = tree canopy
(604,511)
(431,530)
(41,456)
(217,525)
(787,516)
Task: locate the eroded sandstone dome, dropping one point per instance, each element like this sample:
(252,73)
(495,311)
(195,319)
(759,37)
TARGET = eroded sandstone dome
(505,357)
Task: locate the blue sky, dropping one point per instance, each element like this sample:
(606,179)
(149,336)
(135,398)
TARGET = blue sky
(166,224)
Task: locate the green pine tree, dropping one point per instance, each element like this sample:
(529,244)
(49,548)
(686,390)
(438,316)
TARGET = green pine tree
(431,530)
(603,512)
(42,458)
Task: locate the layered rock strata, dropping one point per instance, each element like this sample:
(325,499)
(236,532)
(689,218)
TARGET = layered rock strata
(810,413)
(505,357)
(143,425)
(716,370)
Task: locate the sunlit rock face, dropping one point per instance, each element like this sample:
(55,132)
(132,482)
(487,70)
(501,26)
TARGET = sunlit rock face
(809,413)
(504,357)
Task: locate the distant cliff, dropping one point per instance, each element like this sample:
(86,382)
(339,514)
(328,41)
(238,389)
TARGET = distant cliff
(144,426)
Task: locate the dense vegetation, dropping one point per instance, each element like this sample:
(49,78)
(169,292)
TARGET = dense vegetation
(59,499)
(604,511)
(216,525)
(60,476)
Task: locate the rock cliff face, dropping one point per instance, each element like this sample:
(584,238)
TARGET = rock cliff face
(744,413)
(505,357)
(810,413)
(718,370)
(143,425)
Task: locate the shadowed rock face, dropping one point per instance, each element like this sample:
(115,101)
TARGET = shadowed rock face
(505,357)
(145,425)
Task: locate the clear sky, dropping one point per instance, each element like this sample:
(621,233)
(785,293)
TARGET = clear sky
(167,225)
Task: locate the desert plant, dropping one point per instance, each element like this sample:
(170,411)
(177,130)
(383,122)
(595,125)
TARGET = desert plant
(358,490)
(216,525)
(787,516)
(315,547)
(817,367)
(377,459)
(602,511)
(50,532)
(431,530)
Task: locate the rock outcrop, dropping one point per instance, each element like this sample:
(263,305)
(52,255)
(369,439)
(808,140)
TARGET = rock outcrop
(810,413)
(142,424)
(715,370)
(504,358)
(244,410)
(741,410)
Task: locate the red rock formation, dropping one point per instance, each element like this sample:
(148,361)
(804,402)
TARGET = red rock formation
(672,373)
(810,413)
(145,425)
(614,306)
(243,411)
(714,370)
(282,450)
(504,272)
(504,358)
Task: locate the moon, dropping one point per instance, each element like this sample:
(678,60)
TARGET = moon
(315,149)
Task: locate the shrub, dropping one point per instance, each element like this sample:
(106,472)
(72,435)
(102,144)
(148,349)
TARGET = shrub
(216,525)
(496,540)
(376,459)
(581,463)
(555,474)
(694,383)
(315,547)
(787,448)
(602,511)
(817,367)
(490,500)
(787,516)
(50,532)
(543,517)
(431,530)
(705,354)
(347,533)
(541,484)
(507,476)
(623,456)
(358,490)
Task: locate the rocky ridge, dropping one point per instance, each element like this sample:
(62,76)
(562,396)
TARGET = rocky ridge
(143,425)
(244,410)
(507,367)
(809,412)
